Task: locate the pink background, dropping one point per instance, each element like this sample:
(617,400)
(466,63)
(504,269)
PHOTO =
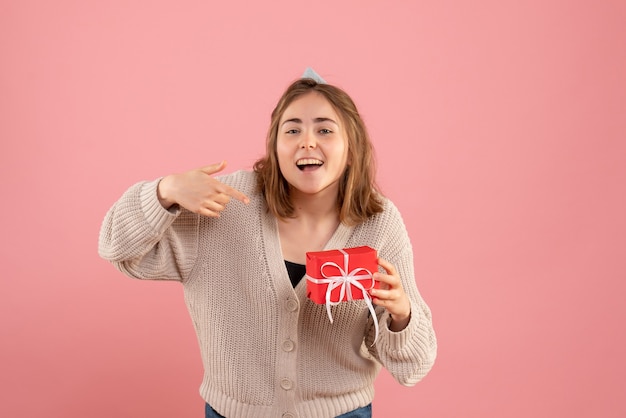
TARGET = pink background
(500,130)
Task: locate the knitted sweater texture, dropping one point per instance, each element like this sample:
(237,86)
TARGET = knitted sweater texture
(267,350)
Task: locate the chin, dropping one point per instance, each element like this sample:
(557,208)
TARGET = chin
(306,190)
(312,190)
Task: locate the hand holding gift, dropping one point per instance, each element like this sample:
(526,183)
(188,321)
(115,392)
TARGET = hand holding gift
(392,296)
(336,276)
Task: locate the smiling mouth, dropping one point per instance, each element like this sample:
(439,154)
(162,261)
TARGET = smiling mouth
(305,164)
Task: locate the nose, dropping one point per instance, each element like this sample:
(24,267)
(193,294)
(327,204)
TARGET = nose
(308,140)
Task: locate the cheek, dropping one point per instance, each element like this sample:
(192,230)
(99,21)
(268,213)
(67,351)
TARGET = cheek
(345,155)
(282,153)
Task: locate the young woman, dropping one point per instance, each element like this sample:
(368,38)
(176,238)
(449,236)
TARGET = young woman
(237,244)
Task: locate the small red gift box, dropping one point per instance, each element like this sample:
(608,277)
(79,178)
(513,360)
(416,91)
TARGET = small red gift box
(348,272)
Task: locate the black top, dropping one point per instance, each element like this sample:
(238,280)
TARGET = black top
(296,272)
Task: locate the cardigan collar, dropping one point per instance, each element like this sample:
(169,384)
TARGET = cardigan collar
(275,259)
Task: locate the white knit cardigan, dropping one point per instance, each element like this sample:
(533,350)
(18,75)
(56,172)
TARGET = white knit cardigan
(267,350)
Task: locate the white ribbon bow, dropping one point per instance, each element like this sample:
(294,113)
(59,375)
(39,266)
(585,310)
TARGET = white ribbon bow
(344,280)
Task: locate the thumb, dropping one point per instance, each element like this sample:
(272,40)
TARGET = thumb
(213,168)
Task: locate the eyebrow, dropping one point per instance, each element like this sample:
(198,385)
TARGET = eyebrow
(316,120)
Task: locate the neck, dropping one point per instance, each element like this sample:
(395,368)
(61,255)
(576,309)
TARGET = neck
(317,207)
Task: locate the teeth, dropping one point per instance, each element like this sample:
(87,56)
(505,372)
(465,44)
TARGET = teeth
(309,161)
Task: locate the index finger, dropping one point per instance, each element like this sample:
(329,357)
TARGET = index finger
(236,194)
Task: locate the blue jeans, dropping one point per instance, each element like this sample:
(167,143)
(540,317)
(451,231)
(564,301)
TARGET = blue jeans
(365,412)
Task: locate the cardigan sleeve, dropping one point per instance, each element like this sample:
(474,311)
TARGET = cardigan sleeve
(408,354)
(144,240)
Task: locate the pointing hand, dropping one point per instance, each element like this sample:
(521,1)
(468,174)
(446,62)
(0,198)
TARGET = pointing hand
(198,191)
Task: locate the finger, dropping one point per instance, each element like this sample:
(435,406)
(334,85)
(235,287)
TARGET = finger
(389,268)
(215,206)
(384,280)
(214,168)
(380,294)
(378,302)
(383,298)
(236,194)
(222,198)
(208,213)
(392,280)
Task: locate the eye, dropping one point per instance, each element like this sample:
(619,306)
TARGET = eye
(325,131)
(292,131)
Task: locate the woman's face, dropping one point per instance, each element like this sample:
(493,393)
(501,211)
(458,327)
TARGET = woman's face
(311,145)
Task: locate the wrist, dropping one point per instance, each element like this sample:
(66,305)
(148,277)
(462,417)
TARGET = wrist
(164,192)
(399,322)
